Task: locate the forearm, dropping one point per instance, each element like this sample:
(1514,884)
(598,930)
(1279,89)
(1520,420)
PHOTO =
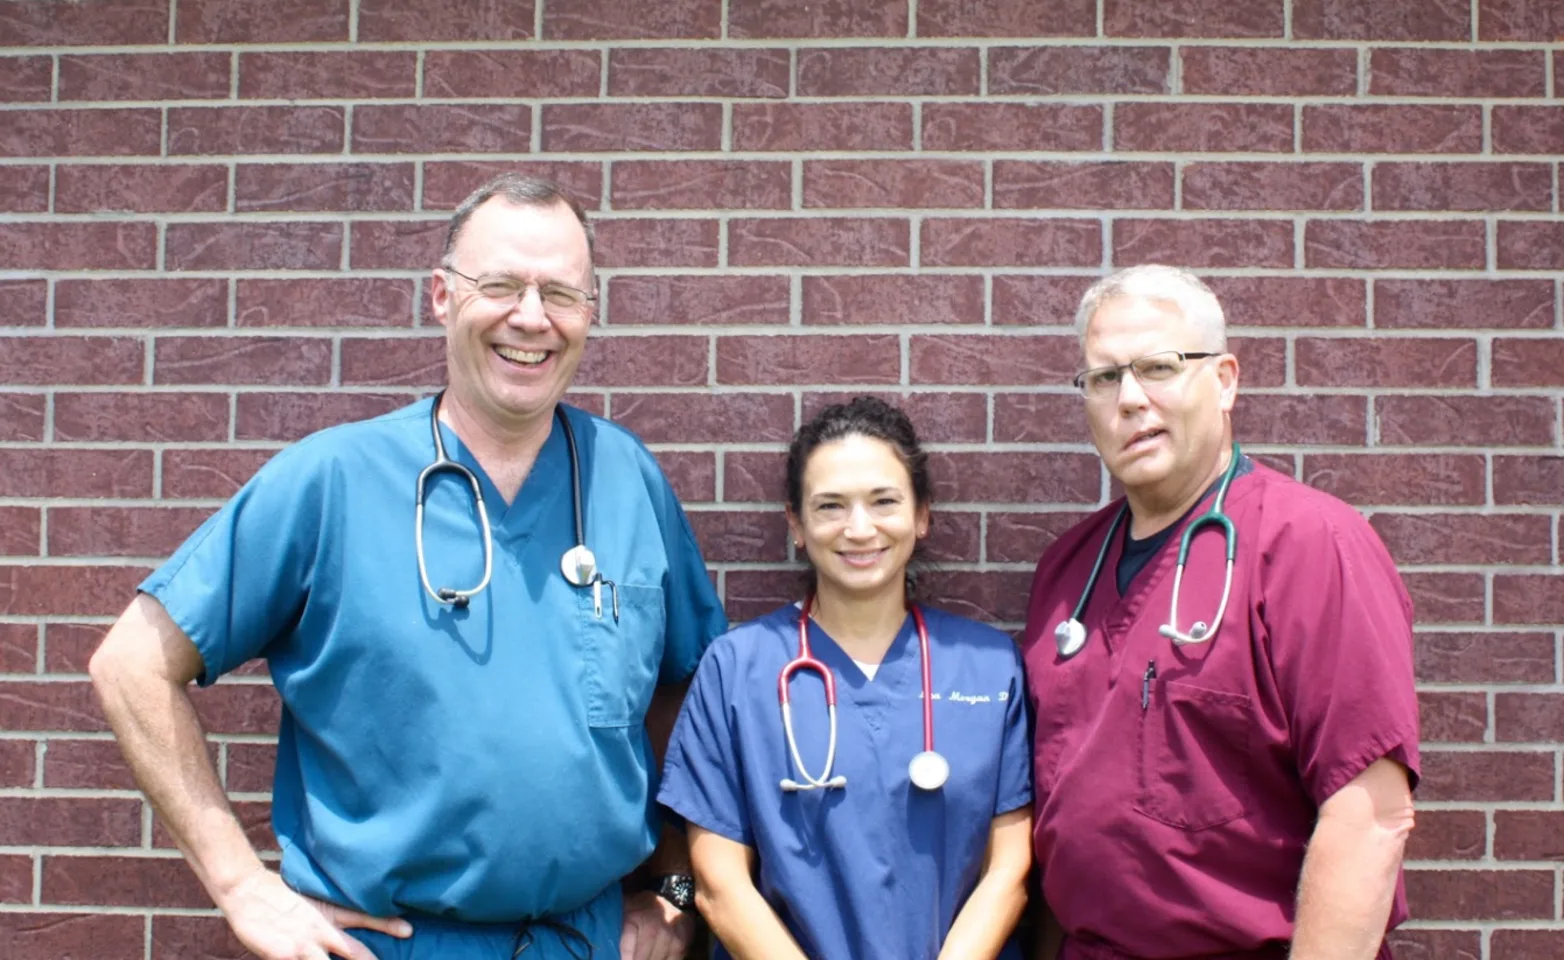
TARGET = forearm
(745,923)
(988,918)
(1346,890)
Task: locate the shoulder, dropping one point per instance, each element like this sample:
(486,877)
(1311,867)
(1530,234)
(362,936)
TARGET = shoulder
(1086,532)
(615,448)
(1296,514)
(974,639)
(763,644)
(337,449)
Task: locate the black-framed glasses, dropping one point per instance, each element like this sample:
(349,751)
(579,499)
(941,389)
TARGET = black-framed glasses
(559,299)
(1159,367)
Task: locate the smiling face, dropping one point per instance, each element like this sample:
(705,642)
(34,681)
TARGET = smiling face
(510,362)
(1163,441)
(858,518)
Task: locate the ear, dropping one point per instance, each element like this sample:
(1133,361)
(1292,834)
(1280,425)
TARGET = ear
(439,295)
(922,516)
(1227,378)
(795,529)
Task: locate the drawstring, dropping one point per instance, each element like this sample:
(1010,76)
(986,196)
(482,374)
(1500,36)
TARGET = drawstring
(575,942)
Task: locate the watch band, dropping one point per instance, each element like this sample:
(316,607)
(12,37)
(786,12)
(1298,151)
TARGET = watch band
(678,889)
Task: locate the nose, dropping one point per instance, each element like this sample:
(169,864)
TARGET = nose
(859,524)
(528,312)
(1132,396)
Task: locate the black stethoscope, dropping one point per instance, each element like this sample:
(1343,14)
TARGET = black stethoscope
(1070,635)
(579,564)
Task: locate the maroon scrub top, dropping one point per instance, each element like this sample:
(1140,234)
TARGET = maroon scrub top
(1177,786)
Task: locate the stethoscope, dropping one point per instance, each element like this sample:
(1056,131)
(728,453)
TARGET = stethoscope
(579,564)
(1070,635)
(927,770)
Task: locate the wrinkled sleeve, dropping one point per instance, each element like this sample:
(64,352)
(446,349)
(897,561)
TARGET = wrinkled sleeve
(243,577)
(695,615)
(703,775)
(1015,748)
(1340,625)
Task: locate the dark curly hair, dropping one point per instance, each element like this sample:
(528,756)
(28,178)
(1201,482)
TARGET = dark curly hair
(864,417)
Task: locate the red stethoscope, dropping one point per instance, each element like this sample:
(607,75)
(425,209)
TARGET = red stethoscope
(927,770)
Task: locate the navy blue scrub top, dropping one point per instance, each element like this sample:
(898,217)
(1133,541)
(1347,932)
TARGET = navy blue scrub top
(487,764)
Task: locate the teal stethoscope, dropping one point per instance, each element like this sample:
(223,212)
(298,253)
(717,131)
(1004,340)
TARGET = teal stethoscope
(1071,634)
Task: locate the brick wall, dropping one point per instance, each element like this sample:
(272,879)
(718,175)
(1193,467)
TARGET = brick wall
(215,217)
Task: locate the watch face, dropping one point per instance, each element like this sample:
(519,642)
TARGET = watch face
(678,890)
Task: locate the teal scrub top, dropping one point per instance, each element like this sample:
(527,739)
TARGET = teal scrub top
(487,764)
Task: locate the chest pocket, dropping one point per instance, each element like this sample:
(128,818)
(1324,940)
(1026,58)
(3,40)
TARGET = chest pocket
(621,657)
(1194,756)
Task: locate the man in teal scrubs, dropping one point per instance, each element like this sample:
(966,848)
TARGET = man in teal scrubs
(457,775)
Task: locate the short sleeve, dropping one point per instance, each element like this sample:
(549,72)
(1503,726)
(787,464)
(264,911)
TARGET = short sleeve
(1340,625)
(1015,748)
(702,776)
(695,615)
(243,577)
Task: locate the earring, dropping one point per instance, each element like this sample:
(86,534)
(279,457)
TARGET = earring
(798,544)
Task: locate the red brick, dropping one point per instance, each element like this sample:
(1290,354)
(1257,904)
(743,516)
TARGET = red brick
(1531,245)
(1203,127)
(691,473)
(89,22)
(207,937)
(25,79)
(396,244)
(233,708)
(1413,72)
(283,21)
(530,74)
(1291,301)
(954,537)
(698,300)
(78,246)
(1424,538)
(657,243)
(990,596)
(1027,478)
(938,417)
(415,362)
(785,18)
(1037,301)
(893,299)
(888,71)
(1448,835)
(818,241)
(1039,418)
(1382,20)
(16,881)
(1392,128)
(324,302)
(1526,835)
(19,528)
(1528,717)
(645,361)
(1022,537)
(354,187)
(154,303)
(1083,186)
(1486,776)
(1263,360)
(1528,129)
(86,765)
(1481,894)
(25,190)
(1273,186)
(68,647)
(122,882)
(1523,20)
(152,532)
(703,185)
(146,76)
(1502,421)
(1269,72)
(253,245)
(893,183)
(773,360)
(229,130)
(1193,18)
(1011,242)
(1010,126)
(1528,598)
(59,472)
(292,416)
(242,360)
(750,477)
(1463,186)
(1446,597)
(426,20)
(21,418)
(751,593)
(141,417)
(70,822)
(1204,243)
(1464,303)
(698,72)
(607,19)
(442,128)
(67,591)
(1526,944)
(56,360)
(1330,419)
(64,936)
(727,536)
(1396,244)
(143,188)
(648,126)
(338,75)
(1391,479)
(208,474)
(1425,944)
(706,417)
(447,184)
(1006,18)
(82,133)
(961,359)
(1452,717)
(1386,362)
(1485,657)
(1528,480)
(23,303)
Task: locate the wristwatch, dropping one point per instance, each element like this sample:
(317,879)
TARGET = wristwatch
(678,889)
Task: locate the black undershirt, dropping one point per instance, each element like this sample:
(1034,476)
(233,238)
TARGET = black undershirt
(1138,553)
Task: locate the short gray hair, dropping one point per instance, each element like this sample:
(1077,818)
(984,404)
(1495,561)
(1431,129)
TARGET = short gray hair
(521,190)
(1154,281)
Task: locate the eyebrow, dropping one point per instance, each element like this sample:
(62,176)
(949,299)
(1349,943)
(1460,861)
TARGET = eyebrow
(829,494)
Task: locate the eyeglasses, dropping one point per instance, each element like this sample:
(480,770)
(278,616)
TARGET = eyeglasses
(559,300)
(1100,383)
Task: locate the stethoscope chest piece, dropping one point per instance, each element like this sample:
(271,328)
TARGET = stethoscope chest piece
(579,565)
(1070,635)
(928,770)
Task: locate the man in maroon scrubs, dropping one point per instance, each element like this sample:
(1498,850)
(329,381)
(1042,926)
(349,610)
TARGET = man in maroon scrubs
(1226,773)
